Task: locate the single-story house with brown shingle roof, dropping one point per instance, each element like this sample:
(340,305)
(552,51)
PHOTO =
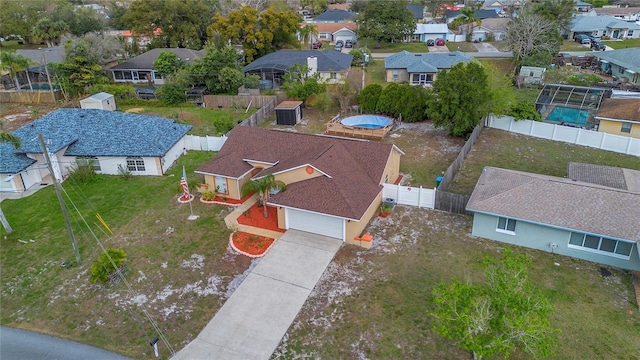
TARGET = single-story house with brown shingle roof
(333,32)
(619,117)
(334,185)
(590,215)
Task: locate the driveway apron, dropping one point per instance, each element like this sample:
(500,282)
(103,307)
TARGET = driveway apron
(252,322)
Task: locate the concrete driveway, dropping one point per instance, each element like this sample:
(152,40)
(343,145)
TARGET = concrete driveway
(438,49)
(485,47)
(252,322)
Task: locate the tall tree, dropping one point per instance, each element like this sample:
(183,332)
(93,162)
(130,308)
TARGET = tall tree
(78,72)
(386,20)
(19,17)
(98,49)
(168,63)
(460,98)
(13,64)
(558,11)
(533,39)
(50,31)
(306,33)
(259,33)
(507,313)
(182,22)
(314,6)
(468,18)
(209,69)
(263,186)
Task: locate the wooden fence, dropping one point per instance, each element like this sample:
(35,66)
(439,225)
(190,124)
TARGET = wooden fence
(30,97)
(451,202)
(261,115)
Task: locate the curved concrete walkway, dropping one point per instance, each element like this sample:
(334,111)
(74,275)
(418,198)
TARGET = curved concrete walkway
(252,322)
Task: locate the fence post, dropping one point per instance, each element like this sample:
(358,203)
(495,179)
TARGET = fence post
(553,134)
(419,195)
(629,142)
(533,123)
(577,136)
(398,193)
(434,197)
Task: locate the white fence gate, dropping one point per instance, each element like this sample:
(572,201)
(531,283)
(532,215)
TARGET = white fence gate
(595,139)
(407,195)
(206,143)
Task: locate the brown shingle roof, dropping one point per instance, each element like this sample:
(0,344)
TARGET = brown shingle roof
(597,174)
(333,27)
(620,109)
(558,202)
(353,168)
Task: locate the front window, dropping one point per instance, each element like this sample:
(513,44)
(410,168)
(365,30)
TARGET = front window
(395,74)
(603,245)
(626,127)
(221,185)
(630,33)
(333,75)
(117,75)
(135,164)
(506,225)
(88,161)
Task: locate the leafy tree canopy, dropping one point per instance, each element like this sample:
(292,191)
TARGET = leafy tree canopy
(300,84)
(19,17)
(98,49)
(558,11)
(505,314)
(461,98)
(386,20)
(49,31)
(167,63)
(368,98)
(259,33)
(182,22)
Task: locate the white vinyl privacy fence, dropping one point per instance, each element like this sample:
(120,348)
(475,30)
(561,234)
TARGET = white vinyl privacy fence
(413,196)
(595,139)
(206,143)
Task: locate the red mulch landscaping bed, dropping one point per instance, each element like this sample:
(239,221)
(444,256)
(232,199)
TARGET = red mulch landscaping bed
(250,244)
(255,217)
(232,201)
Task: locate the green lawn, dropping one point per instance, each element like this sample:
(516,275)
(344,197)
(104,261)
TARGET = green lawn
(12,46)
(461,46)
(375,72)
(622,44)
(163,261)
(570,45)
(525,153)
(387,47)
(212,122)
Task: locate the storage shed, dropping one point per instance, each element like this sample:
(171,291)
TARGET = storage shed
(532,75)
(288,112)
(101,100)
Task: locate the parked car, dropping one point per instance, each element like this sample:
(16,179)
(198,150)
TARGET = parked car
(598,45)
(431,42)
(439,42)
(594,38)
(316,44)
(348,44)
(582,39)
(340,42)
(338,47)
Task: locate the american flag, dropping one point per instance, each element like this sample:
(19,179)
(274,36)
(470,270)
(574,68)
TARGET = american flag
(183,183)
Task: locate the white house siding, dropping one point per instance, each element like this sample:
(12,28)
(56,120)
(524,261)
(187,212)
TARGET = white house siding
(8,185)
(541,237)
(29,178)
(325,77)
(344,35)
(109,165)
(173,154)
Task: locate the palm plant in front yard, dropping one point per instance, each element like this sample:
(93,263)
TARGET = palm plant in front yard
(262,186)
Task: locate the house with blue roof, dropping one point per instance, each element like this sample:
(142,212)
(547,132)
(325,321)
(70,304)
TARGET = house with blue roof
(107,140)
(602,25)
(332,66)
(334,16)
(622,63)
(424,32)
(420,69)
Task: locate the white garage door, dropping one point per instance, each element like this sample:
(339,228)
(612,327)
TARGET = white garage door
(315,223)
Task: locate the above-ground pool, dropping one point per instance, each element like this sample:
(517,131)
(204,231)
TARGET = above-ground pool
(569,115)
(367,121)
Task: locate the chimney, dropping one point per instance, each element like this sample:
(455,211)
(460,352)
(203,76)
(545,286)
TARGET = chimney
(312,63)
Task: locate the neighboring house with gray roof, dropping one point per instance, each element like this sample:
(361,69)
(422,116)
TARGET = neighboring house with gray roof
(622,63)
(504,5)
(332,66)
(333,16)
(422,68)
(424,32)
(140,69)
(144,145)
(588,217)
(418,11)
(604,26)
(622,13)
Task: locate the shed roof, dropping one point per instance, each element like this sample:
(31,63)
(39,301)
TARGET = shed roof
(620,109)
(559,202)
(145,61)
(328,60)
(99,96)
(354,168)
(289,104)
(92,132)
(424,62)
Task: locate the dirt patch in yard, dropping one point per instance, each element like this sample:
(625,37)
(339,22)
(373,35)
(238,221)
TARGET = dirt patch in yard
(14,116)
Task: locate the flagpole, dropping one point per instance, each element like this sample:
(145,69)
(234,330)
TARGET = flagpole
(184,176)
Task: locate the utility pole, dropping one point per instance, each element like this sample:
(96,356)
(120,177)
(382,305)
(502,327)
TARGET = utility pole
(60,199)
(46,68)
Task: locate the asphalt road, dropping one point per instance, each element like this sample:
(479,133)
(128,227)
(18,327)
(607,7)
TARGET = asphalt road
(27,345)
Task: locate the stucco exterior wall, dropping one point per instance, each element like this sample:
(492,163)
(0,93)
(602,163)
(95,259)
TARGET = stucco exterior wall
(173,154)
(298,174)
(233,187)
(392,169)
(614,127)
(281,218)
(403,75)
(540,237)
(355,228)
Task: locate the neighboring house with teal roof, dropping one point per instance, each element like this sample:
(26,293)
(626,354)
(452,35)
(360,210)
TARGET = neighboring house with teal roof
(422,68)
(605,25)
(424,32)
(591,215)
(622,63)
(108,140)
